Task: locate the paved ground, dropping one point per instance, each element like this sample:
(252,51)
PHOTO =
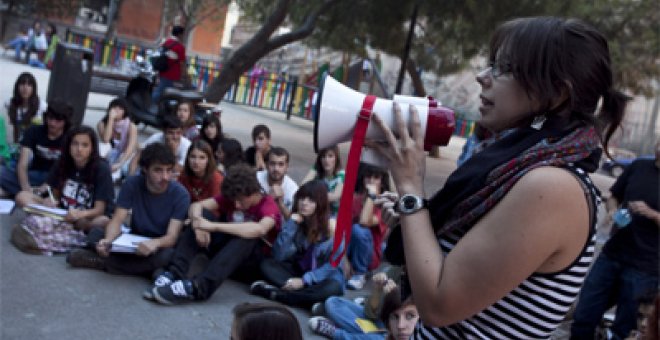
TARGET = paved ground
(42,298)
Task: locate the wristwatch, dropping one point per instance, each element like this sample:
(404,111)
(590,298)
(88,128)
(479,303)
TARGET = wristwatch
(410,204)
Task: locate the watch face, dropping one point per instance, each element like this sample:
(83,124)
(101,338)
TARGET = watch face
(409,202)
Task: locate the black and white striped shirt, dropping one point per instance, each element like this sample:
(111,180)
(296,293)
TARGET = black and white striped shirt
(535,308)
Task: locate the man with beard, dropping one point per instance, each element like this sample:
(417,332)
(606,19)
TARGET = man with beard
(275,181)
(158,207)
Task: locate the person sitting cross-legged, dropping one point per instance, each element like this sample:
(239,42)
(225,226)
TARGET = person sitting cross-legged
(300,268)
(249,224)
(158,207)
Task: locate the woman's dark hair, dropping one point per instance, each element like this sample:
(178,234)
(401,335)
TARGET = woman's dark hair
(219,137)
(263,320)
(318,166)
(156,153)
(240,181)
(53,29)
(17,101)
(59,110)
(555,57)
(233,152)
(316,227)
(392,302)
(369,170)
(66,167)
(210,165)
(191,110)
(119,102)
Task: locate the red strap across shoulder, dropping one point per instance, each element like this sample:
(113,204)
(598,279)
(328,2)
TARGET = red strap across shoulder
(344,217)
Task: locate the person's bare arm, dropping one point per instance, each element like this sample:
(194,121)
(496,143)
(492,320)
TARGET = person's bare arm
(246,230)
(105,130)
(22,168)
(168,240)
(112,231)
(335,194)
(643,209)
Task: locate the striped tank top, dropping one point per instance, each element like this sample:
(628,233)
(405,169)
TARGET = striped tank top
(535,308)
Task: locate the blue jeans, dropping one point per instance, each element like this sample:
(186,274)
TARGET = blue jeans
(610,282)
(9,179)
(343,313)
(18,44)
(361,249)
(163,83)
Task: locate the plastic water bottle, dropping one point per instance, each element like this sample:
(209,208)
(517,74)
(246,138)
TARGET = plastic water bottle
(622,217)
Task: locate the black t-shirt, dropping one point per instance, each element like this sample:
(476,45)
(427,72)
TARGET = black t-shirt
(77,194)
(637,244)
(250,156)
(45,150)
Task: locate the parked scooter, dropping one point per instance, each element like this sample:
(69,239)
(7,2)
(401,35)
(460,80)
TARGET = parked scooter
(138,97)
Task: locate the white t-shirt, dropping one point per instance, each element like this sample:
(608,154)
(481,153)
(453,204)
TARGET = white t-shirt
(180,152)
(288,186)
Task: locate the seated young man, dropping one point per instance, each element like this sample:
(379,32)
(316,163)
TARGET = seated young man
(158,207)
(275,181)
(42,144)
(256,154)
(253,222)
(172,136)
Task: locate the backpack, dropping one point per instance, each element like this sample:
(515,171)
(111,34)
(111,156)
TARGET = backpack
(160,61)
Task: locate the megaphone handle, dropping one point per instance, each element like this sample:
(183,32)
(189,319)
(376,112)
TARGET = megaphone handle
(344,217)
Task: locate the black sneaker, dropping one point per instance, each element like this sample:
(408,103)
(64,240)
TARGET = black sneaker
(165,278)
(318,309)
(322,326)
(178,292)
(84,258)
(263,289)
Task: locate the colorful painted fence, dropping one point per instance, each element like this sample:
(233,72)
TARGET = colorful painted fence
(464,128)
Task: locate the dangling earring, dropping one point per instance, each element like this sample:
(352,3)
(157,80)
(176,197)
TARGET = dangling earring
(538,121)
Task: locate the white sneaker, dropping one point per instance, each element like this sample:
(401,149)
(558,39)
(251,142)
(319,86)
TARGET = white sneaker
(356,282)
(322,326)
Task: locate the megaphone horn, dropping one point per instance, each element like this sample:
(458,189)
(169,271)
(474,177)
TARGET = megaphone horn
(338,106)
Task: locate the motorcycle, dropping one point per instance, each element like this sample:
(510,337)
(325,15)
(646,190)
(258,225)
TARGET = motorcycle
(138,98)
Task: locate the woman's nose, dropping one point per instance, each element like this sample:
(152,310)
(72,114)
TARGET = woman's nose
(484,76)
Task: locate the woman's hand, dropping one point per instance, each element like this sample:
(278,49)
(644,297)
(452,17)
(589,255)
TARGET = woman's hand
(406,155)
(296,218)
(293,283)
(387,201)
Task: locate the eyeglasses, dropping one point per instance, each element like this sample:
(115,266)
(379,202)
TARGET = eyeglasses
(499,69)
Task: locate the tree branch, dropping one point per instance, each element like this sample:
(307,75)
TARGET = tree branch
(304,30)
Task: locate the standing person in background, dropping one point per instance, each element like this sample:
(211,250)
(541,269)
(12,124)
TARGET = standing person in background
(185,111)
(275,181)
(200,175)
(176,66)
(501,251)
(328,169)
(628,266)
(41,147)
(118,132)
(211,132)
(24,108)
(256,154)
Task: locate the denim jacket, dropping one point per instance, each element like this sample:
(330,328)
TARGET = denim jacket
(291,241)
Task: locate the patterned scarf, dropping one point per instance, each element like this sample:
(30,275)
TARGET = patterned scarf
(484,179)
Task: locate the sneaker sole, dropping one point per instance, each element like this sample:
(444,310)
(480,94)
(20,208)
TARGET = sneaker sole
(148,295)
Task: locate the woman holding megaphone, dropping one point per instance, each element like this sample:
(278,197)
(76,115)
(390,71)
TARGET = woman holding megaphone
(502,250)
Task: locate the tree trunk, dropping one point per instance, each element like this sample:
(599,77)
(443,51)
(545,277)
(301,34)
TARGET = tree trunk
(113,16)
(4,15)
(260,45)
(417,83)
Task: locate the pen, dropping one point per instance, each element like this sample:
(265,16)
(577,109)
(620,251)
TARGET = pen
(50,194)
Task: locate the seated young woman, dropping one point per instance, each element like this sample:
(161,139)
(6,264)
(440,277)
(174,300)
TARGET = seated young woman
(117,130)
(328,169)
(24,108)
(229,152)
(392,315)
(211,132)
(185,111)
(80,182)
(368,232)
(299,269)
(200,175)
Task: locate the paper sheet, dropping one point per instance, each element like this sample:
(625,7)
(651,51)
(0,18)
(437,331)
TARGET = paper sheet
(6,206)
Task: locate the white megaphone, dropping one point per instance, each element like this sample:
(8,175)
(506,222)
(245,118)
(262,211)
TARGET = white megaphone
(338,107)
